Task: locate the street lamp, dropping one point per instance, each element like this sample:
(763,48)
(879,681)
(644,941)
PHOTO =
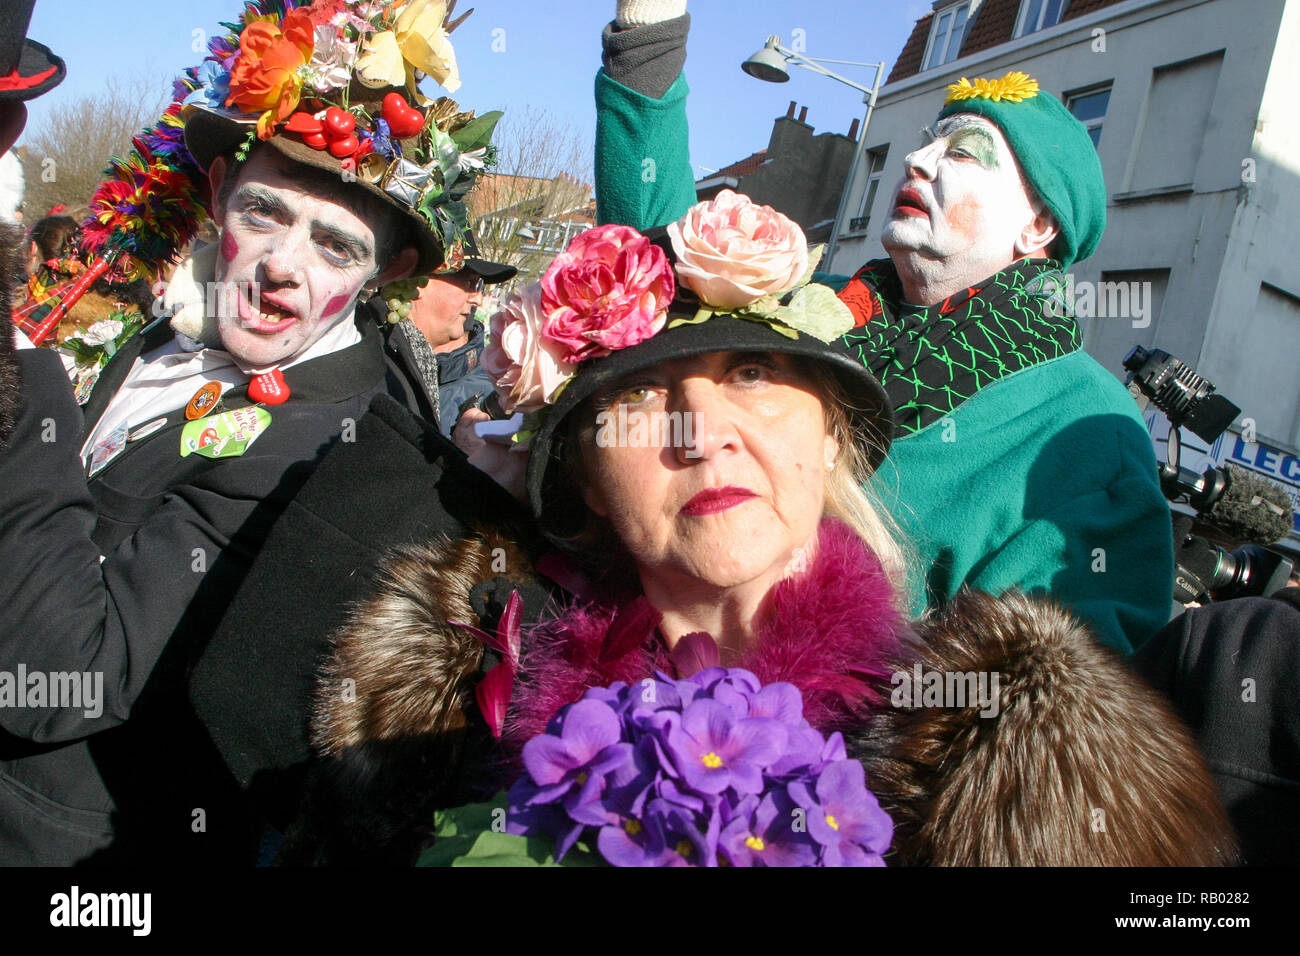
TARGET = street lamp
(769,64)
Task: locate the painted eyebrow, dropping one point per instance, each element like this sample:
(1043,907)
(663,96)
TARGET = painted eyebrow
(358,247)
(274,205)
(977,131)
(251,193)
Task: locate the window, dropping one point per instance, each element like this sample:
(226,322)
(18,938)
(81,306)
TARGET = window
(947,34)
(1089,108)
(1175,118)
(1038,15)
(875,169)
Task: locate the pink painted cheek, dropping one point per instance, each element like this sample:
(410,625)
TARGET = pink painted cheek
(229,247)
(963,218)
(337,304)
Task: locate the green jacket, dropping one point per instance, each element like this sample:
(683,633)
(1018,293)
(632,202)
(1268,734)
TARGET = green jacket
(1044,480)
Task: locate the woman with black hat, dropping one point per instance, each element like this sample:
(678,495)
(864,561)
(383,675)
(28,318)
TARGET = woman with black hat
(693,443)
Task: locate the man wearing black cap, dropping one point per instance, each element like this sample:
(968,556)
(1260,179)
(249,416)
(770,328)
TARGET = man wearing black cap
(437,347)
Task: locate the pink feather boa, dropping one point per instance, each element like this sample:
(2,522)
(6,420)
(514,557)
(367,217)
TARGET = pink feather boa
(828,631)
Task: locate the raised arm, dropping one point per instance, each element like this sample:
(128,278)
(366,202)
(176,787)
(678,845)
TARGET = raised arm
(643,166)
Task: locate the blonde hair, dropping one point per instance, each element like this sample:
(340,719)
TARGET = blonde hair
(846,494)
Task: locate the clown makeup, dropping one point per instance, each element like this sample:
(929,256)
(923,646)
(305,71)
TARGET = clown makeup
(962,211)
(965,138)
(301,252)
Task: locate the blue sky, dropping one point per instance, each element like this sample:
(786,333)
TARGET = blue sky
(552,51)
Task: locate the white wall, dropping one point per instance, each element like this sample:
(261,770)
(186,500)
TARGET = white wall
(1254,355)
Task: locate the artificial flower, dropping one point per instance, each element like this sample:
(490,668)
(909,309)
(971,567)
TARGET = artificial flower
(714,750)
(528,369)
(769,791)
(265,78)
(322,12)
(732,251)
(416,42)
(843,815)
(610,289)
(102,332)
(214,86)
(760,832)
(425,44)
(381,64)
(1012,87)
(331,62)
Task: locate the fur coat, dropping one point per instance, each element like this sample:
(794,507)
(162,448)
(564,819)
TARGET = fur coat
(410,739)
(1073,735)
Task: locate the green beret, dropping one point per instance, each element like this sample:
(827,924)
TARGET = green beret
(1054,151)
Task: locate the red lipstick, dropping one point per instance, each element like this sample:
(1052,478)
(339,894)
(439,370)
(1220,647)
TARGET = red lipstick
(911,202)
(713,500)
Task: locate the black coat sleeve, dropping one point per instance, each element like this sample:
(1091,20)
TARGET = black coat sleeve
(64,608)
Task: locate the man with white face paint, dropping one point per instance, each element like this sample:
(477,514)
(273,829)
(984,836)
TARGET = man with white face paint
(1018,460)
(130,525)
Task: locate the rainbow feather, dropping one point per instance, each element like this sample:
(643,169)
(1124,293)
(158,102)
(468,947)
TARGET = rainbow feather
(150,206)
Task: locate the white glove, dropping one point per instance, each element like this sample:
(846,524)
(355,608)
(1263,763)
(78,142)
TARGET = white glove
(636,13)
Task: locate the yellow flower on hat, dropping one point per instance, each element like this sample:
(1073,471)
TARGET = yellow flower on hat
(1013,88)
(416,42)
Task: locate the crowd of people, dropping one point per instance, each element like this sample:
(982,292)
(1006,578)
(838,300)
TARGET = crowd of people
(325,593)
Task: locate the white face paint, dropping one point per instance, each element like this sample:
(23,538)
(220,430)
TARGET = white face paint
(307,255)
(962,208)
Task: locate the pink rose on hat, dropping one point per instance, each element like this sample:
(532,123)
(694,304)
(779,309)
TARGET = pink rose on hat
(732,251)
(528,368)
(609,290)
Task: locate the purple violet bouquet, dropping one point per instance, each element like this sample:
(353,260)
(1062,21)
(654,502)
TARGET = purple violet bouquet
(712,770)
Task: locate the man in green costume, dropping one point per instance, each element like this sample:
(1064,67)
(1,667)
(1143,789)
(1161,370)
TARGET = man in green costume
(1018,460)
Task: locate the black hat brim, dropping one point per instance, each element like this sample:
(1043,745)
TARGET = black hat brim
(869,410)
(209,135)
(39,71)
(491,272)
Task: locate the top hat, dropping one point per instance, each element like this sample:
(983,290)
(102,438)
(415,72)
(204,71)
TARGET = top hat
(27,68)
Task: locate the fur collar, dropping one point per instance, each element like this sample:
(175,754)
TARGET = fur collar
(828,631)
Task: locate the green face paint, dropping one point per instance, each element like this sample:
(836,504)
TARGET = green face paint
(964,137)
(977,144)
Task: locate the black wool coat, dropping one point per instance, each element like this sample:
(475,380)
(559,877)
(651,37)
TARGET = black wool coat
(140,780)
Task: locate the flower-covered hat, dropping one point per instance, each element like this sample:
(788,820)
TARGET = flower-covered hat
(613,303)
(333,84)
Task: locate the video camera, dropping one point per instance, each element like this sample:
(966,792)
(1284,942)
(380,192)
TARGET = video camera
(1241,505)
